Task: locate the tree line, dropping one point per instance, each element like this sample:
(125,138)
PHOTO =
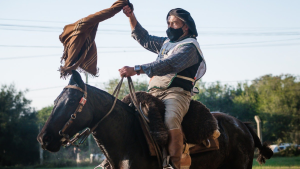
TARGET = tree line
(275,99)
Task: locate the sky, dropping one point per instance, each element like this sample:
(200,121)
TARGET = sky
(240,40)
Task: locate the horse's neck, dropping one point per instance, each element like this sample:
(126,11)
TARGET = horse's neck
(114,135)
(118,135)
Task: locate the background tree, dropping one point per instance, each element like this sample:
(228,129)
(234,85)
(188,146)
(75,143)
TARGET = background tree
(279,104)
(18,128)
(43,115)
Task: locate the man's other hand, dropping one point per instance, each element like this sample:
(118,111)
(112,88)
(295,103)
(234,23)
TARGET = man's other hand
(127,71)
(127,11)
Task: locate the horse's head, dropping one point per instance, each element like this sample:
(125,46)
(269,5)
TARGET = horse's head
(65,105)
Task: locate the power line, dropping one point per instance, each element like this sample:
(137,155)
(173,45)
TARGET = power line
(208,45)
(31,26)
(24,46)
(32,20)
(268,33)
(45,88)
(66,22)
(253,46)
(241,43)
(24,57)
(266,45)
(40,56)
(121,32)
(56,28)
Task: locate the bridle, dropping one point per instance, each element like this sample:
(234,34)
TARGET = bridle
(66,141)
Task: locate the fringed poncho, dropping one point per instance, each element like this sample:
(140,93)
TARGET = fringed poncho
(78,39)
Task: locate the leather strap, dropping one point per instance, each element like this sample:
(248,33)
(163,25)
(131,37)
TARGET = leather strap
(185,78)
(144,122)
(78,88)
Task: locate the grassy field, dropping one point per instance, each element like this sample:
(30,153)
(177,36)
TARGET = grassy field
(273,163)
(279,162)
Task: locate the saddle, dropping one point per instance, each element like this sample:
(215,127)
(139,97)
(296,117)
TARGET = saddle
(199,126)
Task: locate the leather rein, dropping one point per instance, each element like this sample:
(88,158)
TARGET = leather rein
(66,141)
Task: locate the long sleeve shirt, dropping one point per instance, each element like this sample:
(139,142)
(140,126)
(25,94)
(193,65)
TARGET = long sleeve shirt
(184,57)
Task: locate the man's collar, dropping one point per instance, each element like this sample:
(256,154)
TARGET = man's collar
(185,37)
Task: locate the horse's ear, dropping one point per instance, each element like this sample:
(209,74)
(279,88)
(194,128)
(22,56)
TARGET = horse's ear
(76,79)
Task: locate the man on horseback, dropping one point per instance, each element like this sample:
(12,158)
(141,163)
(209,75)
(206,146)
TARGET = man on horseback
(179,65)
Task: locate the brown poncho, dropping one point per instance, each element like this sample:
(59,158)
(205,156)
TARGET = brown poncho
(78,40)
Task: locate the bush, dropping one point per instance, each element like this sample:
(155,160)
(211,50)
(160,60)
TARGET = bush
(288,152)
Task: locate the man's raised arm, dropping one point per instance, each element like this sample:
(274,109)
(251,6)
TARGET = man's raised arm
(151,43)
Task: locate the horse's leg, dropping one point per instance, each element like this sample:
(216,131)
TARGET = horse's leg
(241,157)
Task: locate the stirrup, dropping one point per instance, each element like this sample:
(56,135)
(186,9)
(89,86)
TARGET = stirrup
(166,160)
(168,167)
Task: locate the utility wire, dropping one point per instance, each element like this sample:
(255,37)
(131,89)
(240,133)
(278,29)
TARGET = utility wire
(235,33)
(45,88)
(26,57)
(65,22)
(31,20)
(39,56)
(208,45)
(24,46)
(221,46)
(253,46)
(124,31)
(54,87)
(242,43)
(31,26)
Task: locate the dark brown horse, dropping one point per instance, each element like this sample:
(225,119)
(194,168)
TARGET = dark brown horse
(120,137)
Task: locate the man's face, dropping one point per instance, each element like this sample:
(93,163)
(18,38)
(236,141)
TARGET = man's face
(174,22)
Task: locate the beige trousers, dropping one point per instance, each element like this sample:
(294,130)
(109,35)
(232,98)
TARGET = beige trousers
(177,102)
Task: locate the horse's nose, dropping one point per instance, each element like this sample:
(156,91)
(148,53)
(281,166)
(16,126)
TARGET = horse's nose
(45,138)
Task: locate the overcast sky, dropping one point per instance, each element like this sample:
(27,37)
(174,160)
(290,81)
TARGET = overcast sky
(240,40)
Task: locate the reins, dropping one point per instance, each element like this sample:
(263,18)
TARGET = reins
(135,102)
(84,135)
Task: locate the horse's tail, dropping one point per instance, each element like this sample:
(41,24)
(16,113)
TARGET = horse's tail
(264,150)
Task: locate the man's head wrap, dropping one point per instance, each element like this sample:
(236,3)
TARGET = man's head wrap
(185,16)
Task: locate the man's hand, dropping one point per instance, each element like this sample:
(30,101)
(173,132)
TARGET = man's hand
(127,11)
(127,71)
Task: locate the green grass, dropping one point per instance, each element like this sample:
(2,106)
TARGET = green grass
(279,162)
(273,163)
(92,167)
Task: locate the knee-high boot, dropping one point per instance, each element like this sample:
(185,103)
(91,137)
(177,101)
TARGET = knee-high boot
(175,145)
